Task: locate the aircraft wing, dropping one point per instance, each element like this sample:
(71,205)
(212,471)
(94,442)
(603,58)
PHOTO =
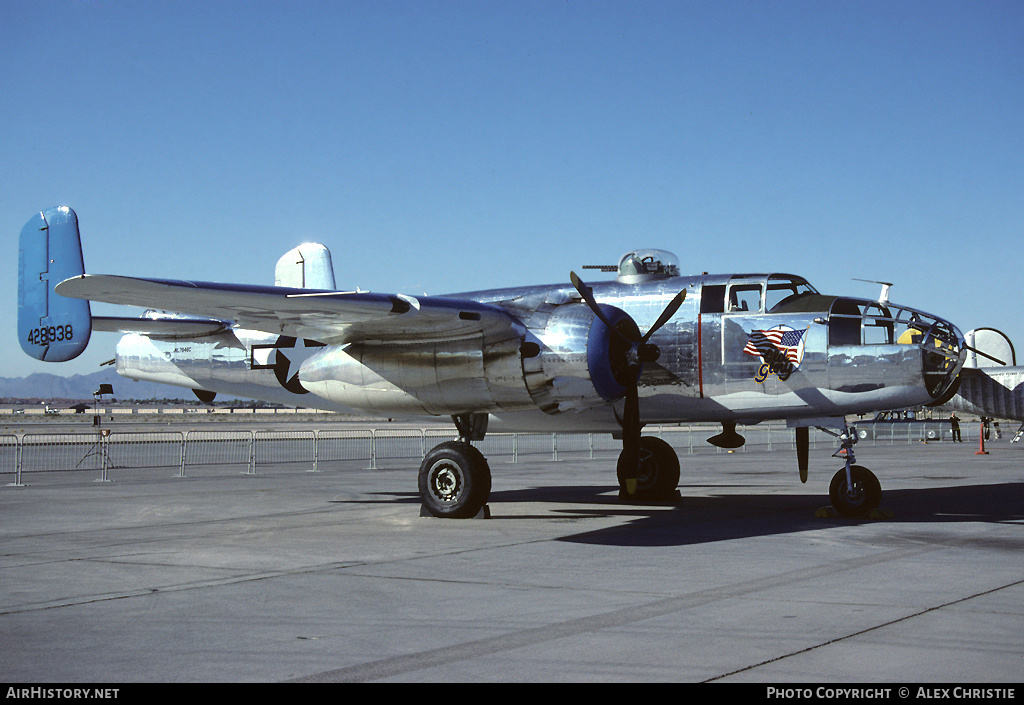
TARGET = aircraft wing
(329,317)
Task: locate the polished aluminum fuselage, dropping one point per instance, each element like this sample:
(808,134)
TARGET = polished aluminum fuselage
(542,376)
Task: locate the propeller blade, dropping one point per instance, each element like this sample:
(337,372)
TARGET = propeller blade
(640,351)
(669,311)
(588,295)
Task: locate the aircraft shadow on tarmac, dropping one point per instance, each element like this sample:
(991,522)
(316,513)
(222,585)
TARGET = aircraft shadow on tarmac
(695,520)
(705,519)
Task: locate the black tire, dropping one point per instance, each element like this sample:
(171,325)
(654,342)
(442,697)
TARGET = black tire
(867,492)
(659,470)
(454,481)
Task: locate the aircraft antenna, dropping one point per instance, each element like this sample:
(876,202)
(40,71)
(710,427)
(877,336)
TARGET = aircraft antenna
(883,298)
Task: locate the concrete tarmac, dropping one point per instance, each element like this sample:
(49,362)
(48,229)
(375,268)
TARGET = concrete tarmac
(334,577)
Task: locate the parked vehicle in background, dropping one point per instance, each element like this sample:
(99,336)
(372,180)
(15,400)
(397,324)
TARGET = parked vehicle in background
(902,424)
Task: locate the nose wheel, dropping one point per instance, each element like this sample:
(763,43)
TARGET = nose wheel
(854,490)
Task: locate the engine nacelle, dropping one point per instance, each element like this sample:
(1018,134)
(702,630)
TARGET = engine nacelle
(579,365)
(570,361)
(444,378)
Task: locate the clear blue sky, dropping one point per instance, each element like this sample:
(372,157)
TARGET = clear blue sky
(457,145)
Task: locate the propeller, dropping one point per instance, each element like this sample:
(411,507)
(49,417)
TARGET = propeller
(636,350)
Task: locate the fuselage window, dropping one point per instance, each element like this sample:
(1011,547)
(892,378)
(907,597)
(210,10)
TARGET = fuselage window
(712,298)
(851,323)
(878,325)
(844,323)
(877,332)
(744,298)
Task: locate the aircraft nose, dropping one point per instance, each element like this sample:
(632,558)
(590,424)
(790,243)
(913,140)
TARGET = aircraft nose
(945,352)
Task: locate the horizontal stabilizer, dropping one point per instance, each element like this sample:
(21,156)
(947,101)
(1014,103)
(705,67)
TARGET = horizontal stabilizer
(163,328)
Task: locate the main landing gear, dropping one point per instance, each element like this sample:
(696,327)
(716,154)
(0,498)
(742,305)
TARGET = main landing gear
(455,479)
(658,474)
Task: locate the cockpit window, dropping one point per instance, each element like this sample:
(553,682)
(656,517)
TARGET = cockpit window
(784,289)
(751,293)
(744,298)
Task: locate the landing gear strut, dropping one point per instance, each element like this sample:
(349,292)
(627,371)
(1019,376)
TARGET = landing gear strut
(854,490)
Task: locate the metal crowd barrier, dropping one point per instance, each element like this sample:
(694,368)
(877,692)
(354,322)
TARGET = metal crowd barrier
(25,453)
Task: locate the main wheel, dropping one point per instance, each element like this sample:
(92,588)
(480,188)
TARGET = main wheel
(659,470)
(454,480)
(866,494)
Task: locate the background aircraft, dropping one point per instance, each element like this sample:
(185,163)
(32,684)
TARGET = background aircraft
(991,384)
(650,346)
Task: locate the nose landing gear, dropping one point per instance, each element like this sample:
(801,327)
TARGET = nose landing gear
(854,490)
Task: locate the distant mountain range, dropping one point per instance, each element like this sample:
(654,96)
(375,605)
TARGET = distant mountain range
(43,386)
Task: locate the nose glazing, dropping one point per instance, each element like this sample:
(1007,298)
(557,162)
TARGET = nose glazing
(944,356)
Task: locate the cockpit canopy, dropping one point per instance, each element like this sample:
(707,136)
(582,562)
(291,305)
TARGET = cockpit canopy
(644,265)
(758,293)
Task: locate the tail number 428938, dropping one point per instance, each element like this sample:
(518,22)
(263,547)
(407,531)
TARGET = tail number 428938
(51,334)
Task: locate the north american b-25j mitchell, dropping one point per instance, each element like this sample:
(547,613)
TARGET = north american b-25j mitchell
(649,347)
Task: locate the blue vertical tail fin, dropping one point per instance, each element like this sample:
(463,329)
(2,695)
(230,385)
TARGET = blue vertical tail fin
(51,327)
